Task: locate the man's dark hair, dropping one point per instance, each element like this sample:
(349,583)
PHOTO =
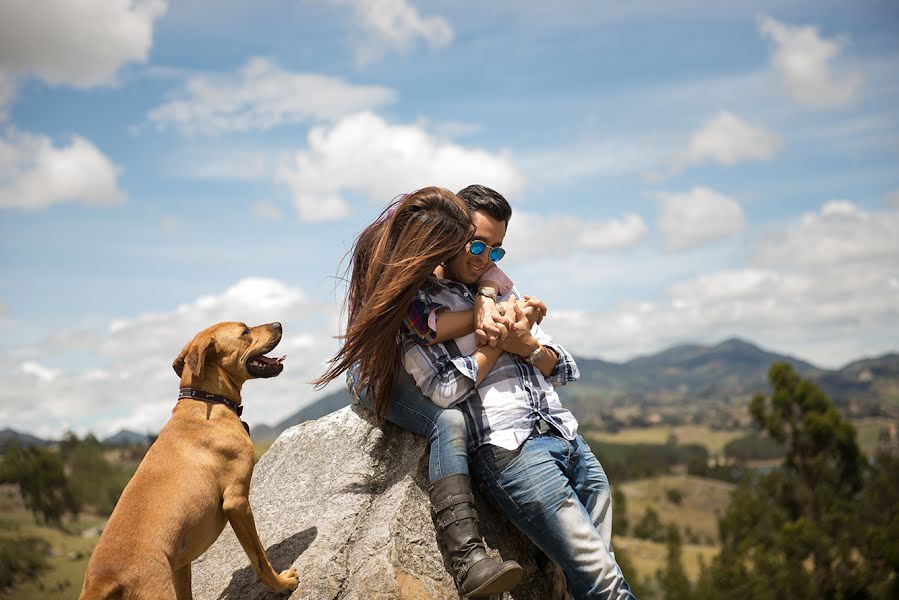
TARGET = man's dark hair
(490,202)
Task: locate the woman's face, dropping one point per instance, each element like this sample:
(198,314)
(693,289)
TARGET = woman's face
(468,268)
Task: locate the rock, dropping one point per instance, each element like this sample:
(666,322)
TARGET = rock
(343,500)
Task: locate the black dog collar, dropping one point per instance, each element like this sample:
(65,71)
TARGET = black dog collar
(215,399)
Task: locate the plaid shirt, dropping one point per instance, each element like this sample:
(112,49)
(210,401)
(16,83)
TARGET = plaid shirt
(512,398)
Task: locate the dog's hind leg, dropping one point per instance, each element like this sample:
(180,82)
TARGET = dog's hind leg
(181,579)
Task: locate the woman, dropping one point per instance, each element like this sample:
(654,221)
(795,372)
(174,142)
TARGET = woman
(391,260)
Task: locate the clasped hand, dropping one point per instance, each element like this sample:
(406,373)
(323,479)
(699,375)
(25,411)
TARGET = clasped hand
(508,324)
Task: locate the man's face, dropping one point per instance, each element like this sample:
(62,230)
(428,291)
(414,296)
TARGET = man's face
(467,268)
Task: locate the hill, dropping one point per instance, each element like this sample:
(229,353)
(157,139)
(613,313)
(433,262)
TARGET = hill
(324,406)
(707,384)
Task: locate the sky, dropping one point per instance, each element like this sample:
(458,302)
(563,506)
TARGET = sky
(679,172)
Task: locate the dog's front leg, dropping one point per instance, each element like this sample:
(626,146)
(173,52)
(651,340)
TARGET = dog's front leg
(240,515)
(181,579)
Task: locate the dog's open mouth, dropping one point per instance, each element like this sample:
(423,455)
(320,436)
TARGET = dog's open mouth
(265,366)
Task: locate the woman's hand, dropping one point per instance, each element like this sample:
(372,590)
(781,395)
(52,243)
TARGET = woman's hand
(519,341)
(491,324)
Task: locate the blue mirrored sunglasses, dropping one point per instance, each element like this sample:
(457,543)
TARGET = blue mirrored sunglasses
(477,247)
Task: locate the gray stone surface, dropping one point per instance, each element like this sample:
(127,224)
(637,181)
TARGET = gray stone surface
(343,500)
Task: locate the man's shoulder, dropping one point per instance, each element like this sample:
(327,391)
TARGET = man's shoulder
(434,288)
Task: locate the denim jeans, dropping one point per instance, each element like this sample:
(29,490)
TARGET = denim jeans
(556,493)
(444,428)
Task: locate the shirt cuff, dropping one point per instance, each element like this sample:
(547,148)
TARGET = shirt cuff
(495,275)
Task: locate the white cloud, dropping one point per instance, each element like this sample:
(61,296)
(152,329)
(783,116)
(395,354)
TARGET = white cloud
(698,216)
(892,199)
(393,25)
(841,233)
(80,43)
(727,139)
(814,289)
(35,174)
(803,60)
(136,353)
(262,96)
(365,154)
(531,235)
(39,371)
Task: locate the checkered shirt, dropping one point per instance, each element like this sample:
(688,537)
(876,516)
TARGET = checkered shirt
(511,400)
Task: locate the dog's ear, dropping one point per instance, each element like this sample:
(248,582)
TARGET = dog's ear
(193,355)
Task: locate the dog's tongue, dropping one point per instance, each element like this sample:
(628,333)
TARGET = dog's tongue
(271,361)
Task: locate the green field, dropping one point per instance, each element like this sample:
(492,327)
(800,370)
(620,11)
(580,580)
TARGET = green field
(70,550)
(713,440)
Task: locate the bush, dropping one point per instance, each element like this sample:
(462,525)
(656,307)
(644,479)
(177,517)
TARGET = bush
(674,496)
(650,526)
(21,558)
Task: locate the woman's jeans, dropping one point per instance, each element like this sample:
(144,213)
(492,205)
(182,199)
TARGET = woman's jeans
(444,428)
(556,492)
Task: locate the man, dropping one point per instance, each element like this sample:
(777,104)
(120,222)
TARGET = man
(523,444)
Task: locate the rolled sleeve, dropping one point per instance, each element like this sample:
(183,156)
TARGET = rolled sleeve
(444,379)
(420,322)
(565,369)
(496,275)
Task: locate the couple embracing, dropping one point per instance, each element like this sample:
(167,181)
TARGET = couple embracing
(440,342)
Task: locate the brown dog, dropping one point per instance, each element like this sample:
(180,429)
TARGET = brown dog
(194,478)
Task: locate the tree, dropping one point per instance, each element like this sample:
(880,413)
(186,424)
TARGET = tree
(42,482)
(620,522)
(673,579)
(795,532)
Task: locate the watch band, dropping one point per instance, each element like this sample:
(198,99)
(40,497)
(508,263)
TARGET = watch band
(535,356)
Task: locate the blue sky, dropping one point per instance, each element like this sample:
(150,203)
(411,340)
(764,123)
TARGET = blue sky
(679,172)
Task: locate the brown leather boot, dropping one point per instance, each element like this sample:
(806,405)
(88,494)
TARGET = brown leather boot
(476,574)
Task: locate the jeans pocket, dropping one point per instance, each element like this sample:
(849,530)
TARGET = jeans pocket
(502,458)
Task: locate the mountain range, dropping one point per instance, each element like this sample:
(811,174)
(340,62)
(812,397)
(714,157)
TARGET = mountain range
(684,383)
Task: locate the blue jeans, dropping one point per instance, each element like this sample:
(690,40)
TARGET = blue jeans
(444,428)
(556,493)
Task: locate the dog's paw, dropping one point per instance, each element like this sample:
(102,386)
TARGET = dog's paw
(288,580)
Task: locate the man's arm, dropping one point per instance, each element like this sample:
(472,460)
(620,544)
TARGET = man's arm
(447,380)
(556,364)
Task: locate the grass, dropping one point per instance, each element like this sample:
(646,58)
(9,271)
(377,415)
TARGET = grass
(703,500)
(869,429)
(69,554)
(713,440)
(649,557)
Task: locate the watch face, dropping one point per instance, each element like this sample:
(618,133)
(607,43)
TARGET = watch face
(487,292)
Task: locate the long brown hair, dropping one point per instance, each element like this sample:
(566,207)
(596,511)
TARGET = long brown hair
(391,260)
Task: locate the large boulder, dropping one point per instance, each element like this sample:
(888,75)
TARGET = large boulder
(344,501)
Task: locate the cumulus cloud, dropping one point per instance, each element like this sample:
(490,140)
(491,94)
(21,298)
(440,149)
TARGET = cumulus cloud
(727,139)
(803,59)
(393,25)
(136,353)
(698,216)
(260,96)
(363,153)
(77,43)
(533,235)
(813,289)
(35,174)
(840,233)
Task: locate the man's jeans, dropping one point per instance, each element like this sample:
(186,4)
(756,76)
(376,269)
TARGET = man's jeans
(556,493)
(444,428)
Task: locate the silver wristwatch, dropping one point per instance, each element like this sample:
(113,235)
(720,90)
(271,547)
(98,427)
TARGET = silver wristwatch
(487,292)
(535,356)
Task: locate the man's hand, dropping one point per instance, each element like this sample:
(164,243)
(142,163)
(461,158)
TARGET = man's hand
(519,341)
(491,324)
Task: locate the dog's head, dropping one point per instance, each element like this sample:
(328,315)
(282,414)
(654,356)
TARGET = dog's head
(229,353)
